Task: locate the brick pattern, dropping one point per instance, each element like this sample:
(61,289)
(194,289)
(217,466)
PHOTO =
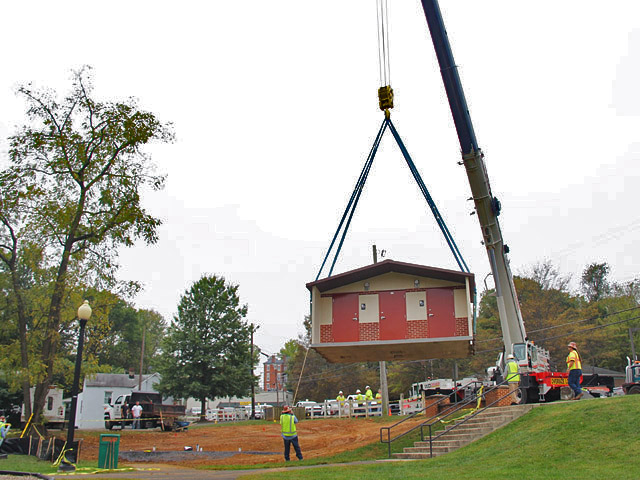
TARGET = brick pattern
(326,333)
(417,329)
(462,327)
(492,396)
(369,332)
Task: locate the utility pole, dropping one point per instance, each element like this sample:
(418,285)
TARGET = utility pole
(253,387)
(144,332)
(383,365)
(633,347)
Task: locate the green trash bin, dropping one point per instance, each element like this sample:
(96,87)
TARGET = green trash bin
(109,450)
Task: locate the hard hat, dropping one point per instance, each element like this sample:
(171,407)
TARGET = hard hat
(368,386)
(340,392)
(573,345)
(358,391)
(510,357)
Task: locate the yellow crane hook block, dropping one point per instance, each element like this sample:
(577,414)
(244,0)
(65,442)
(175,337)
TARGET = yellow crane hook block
(385,97)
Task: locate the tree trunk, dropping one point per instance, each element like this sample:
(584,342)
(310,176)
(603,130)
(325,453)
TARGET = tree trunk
(203,409)
(22,332)
(50,344)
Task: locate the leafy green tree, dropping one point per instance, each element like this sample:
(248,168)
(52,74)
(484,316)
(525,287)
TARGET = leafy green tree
(594,282)
(72,190)
(206,352)
(121,346)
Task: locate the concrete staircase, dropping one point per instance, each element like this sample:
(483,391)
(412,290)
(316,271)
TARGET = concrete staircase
(474,428)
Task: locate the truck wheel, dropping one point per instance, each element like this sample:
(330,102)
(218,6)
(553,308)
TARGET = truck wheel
(148,424)
(108,424)
(521,396)
(634,389)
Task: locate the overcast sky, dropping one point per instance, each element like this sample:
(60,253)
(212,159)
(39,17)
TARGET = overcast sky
(275,109)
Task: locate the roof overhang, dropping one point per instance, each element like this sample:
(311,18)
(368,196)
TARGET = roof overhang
(387,266)
(389,350)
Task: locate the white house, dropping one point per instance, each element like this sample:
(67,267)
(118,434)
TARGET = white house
(103,388)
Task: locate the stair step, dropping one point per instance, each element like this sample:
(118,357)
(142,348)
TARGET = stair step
(454,437)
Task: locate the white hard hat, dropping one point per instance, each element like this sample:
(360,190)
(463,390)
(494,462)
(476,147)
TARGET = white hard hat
(510,356)
(340,392)
(368,386)
(358,391)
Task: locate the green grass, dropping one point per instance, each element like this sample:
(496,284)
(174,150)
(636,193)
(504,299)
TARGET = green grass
(27,463)
(594,439)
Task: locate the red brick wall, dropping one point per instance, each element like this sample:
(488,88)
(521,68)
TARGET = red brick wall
(417,329)
(462,327)
(369,332)
(326,333)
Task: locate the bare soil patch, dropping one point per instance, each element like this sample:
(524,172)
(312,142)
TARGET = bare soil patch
(239,444)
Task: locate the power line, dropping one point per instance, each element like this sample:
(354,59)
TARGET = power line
(574,333)
(566,324)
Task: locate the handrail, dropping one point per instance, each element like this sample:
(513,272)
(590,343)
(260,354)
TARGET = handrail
(464,420)
(413,415)
(438,417)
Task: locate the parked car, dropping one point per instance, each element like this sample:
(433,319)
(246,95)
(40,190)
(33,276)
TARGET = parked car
(332,406)
(311,407)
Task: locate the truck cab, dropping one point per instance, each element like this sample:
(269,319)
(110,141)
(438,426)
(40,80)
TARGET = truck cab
(632,377)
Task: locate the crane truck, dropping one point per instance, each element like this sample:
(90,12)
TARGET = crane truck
(537,381)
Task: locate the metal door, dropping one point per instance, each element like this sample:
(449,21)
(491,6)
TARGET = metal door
(393,316)
(345,318)
(441,312)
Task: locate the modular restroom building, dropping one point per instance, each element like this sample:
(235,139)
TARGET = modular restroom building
(393,311)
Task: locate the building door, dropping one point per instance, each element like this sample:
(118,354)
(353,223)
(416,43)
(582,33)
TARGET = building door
(346,325)
(393,318)
(441,312)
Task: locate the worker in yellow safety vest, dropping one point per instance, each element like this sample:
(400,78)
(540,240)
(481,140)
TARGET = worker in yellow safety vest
(359,396)
(4,429)
(574,367)
(368,394)
(379,395)
(512,376)
(340,398)
(289,433)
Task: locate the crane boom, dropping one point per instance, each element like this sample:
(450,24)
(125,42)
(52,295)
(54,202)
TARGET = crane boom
(486,205)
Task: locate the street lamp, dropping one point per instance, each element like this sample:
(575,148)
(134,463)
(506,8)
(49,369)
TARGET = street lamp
(84,313)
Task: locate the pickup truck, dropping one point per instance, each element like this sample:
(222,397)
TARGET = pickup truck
(154,412)
(312,409)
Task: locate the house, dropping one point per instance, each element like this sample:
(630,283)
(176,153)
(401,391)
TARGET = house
(104,388)
(393,311)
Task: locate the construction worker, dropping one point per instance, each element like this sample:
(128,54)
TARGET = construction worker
(379,395)
(512,374)
(4,429)
(289,434)
(340,398)
(574,367)
(359,396)
(368,394)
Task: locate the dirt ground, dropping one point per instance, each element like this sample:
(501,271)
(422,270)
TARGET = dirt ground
(318,437)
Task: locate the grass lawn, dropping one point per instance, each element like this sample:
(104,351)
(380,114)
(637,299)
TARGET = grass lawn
(27,463)
(594,439)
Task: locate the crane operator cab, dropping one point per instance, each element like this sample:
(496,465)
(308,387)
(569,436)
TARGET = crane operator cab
(530,358)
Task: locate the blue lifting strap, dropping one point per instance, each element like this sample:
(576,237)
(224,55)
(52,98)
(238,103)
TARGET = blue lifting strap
(355,197)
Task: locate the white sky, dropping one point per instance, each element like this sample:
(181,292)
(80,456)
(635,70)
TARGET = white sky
(275,109)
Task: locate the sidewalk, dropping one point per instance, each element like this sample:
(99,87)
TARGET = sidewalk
(165,472)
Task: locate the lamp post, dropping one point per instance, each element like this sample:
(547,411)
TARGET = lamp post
(84,313)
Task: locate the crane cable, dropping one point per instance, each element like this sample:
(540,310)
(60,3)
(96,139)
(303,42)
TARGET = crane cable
(382,14)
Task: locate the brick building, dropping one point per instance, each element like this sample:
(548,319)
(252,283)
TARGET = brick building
(274,377)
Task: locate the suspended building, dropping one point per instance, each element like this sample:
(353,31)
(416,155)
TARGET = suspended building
(393,311)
